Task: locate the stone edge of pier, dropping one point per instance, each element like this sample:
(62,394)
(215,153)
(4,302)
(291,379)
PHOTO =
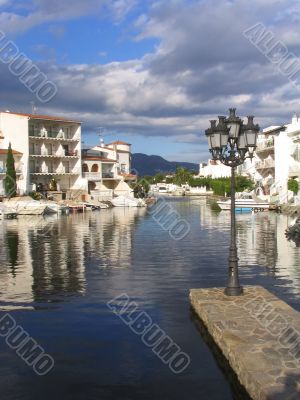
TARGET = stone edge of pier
(258,334)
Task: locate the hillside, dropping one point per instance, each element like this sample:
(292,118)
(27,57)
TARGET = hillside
(151,165)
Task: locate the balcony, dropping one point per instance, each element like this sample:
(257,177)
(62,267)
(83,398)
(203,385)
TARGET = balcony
(48,153)
(53,135)
(108,175)
(267,163)
(54,171)
(294,170)
(92,176)
(265,146)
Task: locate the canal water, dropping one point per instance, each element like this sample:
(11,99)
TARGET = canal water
(57,275)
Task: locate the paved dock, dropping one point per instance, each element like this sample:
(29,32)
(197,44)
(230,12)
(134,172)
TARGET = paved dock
(259,335)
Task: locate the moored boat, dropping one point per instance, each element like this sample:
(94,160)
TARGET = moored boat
(26,206)
(122,201)
(246,202)
(6,213)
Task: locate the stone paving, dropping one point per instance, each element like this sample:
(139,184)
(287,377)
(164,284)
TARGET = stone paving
(259,335)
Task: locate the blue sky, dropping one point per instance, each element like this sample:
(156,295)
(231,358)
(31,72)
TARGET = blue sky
(152,72)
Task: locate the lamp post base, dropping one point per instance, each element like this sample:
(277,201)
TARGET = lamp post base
(233,291)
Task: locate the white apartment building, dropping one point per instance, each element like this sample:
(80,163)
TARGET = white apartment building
(44,148)
(106,170)
(214,169)
(278,159)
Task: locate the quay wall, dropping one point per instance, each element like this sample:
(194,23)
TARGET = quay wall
(258,334)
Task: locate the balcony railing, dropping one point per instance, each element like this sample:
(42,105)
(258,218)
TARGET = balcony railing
(265,164)
(294,170)
(92,176)
(266,145)
(108,175)
(58,135)
(54,171)
(48,153)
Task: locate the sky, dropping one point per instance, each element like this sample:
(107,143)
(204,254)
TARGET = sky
(153,73)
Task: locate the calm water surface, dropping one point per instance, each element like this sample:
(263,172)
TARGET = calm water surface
(57,274)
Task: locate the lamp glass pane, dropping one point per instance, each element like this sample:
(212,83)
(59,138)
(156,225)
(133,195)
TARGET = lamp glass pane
(251,138)
(209,141)
(224,140)
(217,138)
(234,129)
(242,141)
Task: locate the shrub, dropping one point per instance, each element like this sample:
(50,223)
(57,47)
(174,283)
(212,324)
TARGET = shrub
(293,185)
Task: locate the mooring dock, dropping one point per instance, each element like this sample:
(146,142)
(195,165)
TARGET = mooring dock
(259,335)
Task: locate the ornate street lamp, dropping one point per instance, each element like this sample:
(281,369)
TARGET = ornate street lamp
(231,142)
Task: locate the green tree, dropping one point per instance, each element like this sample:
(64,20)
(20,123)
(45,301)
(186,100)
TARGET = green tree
(242,183)
(10,177)
(159,177)
(182,176)
(293,185)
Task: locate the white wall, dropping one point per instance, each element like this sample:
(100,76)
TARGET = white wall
(217,170)
(15,130)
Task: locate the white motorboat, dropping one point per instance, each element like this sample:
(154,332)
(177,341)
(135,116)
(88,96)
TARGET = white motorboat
(26,206)
(122,201)
(7,213)
(246,201)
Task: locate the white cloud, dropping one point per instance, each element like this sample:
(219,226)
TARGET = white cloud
(202,65)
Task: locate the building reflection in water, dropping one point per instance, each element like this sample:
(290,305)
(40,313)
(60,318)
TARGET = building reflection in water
(43,259)
(261,241)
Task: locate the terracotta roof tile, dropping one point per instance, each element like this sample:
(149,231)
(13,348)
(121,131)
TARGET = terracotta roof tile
(97,158)
(46,117)
(4,151)
(120,142)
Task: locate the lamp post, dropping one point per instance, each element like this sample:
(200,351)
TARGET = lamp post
(231,142)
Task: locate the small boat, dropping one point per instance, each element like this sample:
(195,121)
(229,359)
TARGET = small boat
(178,192)
(104,205)
(163,190)
(246,202)
(122,201)
(91,207)
(6,213)
(26,206)
(54,208)
(77,207)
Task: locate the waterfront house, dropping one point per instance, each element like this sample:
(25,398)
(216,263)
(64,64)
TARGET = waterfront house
(277,159)
(214,169)
(44,148)
(3,156)
(106,170)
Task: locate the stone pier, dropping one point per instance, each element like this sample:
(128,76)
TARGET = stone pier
(259,335)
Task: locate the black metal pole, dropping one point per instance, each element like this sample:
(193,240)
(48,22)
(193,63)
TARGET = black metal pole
(233,287)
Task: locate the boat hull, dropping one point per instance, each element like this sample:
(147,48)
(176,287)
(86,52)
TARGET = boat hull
(122,201)
(250,206)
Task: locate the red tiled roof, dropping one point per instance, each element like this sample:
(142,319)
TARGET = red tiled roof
(97,158)
(120,142)
(4,151)
(46,117)
(102,147)
(129,175)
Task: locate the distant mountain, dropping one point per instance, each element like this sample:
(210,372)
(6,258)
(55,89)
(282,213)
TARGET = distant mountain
(151,165)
